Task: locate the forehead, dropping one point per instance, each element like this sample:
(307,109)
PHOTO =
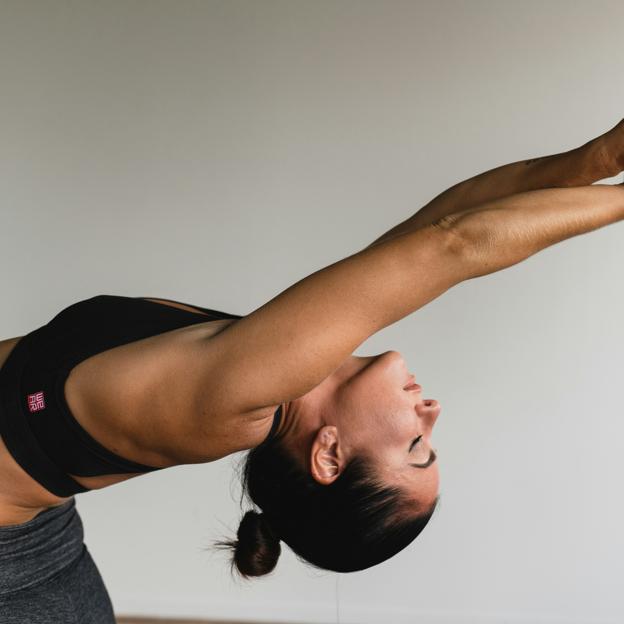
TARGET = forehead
(420,485)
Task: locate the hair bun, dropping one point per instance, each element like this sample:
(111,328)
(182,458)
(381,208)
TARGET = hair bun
(258,547)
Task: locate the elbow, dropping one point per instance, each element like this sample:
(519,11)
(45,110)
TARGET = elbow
(462,242)
(455,237)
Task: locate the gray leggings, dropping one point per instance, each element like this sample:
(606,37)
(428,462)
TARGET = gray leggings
(47,575)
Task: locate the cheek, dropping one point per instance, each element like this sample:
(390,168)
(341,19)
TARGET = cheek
(378,417)
(389,447)
(392,433)
(401,425)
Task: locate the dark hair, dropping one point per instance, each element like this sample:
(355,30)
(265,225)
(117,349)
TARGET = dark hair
(352,524)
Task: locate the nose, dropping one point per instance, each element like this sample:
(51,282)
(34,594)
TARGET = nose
(428,410)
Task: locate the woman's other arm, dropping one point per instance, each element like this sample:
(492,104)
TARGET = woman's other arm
(600,158)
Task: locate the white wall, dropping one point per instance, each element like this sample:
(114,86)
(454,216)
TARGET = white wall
(217,152)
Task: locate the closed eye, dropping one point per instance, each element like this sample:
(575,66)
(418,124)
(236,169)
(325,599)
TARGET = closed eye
(414,442)
(432,454)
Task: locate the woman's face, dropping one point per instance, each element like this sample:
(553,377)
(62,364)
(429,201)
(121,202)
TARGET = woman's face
(383,418)
(367,408)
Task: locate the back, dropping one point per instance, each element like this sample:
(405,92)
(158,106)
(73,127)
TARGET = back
(70,390)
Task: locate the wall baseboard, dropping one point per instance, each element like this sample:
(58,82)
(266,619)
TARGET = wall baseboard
(450,619)
(151,620)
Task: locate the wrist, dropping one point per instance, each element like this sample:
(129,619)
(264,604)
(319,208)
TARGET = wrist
(599,159)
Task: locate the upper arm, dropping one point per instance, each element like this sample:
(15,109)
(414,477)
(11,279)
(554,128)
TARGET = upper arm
(290,344)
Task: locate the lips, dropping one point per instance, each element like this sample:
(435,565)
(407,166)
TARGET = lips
(414,386)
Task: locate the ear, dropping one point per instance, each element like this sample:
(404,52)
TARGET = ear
(326,458)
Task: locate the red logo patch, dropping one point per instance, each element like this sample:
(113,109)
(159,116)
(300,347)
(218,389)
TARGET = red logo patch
(36,402)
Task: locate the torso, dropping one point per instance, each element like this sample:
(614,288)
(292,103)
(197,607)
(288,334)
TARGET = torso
(134,421)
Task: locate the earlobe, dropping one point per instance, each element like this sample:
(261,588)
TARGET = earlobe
(326,462)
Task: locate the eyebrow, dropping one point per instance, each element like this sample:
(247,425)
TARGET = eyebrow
(432,458)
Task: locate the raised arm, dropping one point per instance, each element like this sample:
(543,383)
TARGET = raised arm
(291,343)
(600,158)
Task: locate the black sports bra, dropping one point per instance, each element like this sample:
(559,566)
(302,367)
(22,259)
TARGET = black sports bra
(36,423)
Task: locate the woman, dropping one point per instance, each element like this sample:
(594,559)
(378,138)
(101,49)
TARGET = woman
(341,462)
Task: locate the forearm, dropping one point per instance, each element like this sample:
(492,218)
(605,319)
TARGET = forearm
(504,232)
(581,166)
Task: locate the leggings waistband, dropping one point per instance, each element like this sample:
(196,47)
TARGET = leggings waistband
(36,550)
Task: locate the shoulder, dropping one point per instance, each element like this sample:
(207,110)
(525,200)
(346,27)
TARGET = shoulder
(191,426)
